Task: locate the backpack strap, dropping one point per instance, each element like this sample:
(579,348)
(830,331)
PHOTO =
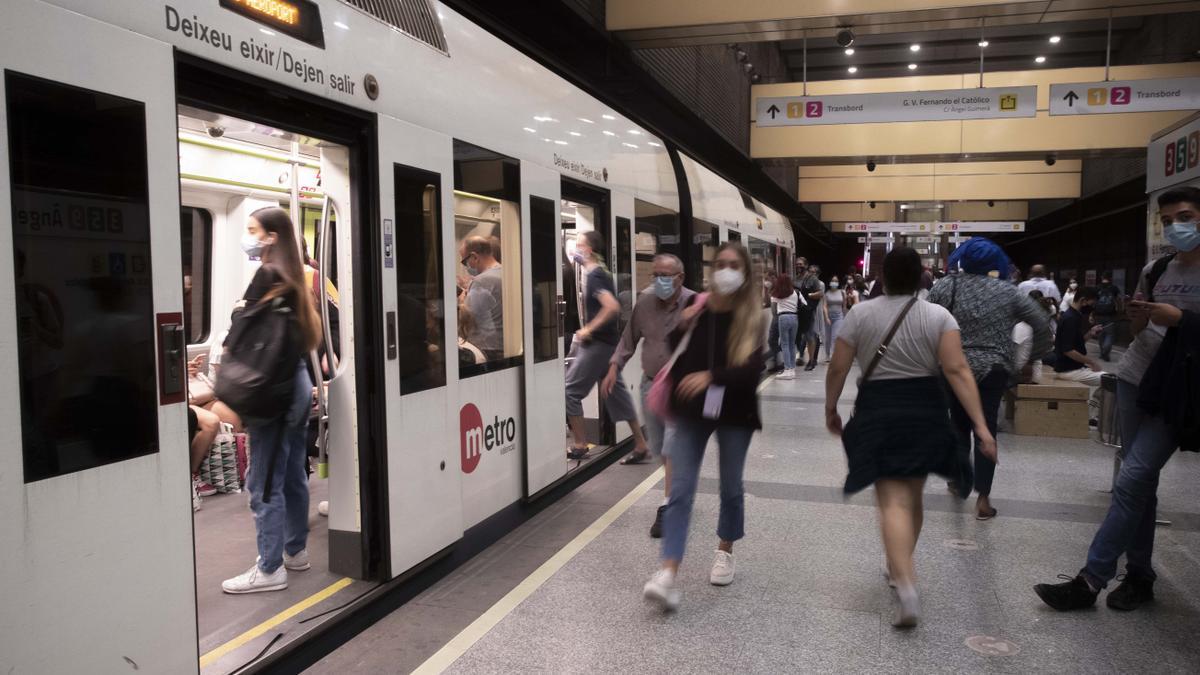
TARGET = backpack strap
(883,346)
(1155,273)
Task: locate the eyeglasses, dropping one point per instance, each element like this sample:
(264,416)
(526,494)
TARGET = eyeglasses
(666,276)
(464,260)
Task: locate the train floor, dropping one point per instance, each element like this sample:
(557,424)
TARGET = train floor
(562,593)
(234,628)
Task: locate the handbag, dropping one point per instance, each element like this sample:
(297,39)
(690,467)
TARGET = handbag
(658,399)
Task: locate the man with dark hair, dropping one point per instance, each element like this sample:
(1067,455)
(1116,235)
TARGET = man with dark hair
(1108,307)
(812,289)
(1168,295)
(1071,361)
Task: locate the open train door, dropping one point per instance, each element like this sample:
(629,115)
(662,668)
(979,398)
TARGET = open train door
(94,481)
(545,405)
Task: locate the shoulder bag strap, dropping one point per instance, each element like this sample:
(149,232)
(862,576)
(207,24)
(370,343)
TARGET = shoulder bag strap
(953,292)
(883,346)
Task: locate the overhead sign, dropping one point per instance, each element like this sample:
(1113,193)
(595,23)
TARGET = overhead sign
(1125,96)
(937,227)
(899,106)
(1174,158)
(981,226)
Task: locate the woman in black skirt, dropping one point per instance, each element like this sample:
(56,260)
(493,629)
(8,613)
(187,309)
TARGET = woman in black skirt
(900,430)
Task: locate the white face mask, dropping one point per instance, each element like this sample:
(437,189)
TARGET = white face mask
(728,280)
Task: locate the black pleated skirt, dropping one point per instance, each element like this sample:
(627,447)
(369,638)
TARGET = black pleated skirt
(902,429)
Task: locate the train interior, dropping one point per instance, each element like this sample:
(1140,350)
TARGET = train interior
(229,168)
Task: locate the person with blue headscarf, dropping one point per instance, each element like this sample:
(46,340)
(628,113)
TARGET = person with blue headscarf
(987,308)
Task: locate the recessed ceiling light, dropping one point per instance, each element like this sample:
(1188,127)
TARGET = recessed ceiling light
(629,145)
(548,140)
(849,52)
(543,118)
(1055,39)
(608,133)
(852,69)
(532,131)
(1040,59)
(341,25)
(584,119)
(983,43)
(912,66)
(560,142)
(635,132)
(608,117)
(653,144)
(264,31)
(915,48)
(574,133)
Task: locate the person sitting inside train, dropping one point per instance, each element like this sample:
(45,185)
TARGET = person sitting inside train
(202,431)
(202,383)
(468,354)
(484,296)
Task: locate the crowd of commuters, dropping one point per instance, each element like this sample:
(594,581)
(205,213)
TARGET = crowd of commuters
(933,361)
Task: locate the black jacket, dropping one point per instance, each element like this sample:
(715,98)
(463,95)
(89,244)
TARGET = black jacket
(1171,385)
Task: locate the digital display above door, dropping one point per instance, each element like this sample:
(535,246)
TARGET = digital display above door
(300,19)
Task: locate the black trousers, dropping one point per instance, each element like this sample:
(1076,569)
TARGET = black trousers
(991,390)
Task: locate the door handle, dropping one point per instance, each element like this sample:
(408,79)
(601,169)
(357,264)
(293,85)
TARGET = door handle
(391,336)
(562,315)
(172,380)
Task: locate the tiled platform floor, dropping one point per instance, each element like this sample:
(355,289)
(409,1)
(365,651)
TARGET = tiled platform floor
(809,595)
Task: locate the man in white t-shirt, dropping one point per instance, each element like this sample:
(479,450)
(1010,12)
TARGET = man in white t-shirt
(1037,281)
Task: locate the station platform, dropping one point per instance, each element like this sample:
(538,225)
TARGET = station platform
(562,593)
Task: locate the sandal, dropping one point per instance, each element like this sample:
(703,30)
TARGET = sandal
(986,515)
(636,457)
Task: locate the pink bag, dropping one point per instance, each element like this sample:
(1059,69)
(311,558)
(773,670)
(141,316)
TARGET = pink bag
(658,399)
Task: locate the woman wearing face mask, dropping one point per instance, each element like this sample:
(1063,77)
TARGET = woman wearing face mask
(787,300)
(280,518)
(833,309)
(595,343)
(1068,296)
(716,377)
(852,296)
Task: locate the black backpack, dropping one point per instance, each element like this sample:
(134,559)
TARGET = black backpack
(258,369)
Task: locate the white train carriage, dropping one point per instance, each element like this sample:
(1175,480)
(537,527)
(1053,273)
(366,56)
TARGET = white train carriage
(138,136)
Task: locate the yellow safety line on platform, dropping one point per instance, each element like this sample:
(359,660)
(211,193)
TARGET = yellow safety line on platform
(270,623)
(480,627)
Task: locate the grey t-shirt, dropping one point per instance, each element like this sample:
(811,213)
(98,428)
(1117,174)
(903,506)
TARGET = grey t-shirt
(485,299)
(1180,286)
(913,350)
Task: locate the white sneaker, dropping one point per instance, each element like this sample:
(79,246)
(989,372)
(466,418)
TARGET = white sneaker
(661,589)
(722,569)
(323,508)
(787,374)
(910,607)
(298,562)
(195,499)
(255,580)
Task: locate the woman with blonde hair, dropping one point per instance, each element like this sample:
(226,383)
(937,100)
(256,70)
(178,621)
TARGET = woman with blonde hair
(715,376)
(277,479)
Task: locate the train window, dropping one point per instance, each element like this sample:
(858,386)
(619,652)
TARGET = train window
(487,234)
(762,257)
(420,302)
(84,301)
(657,231)
(624,271)
(709,238)
(543,296)
(734,235)
(195,238)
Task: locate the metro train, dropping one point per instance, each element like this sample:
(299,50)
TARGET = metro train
(138,136)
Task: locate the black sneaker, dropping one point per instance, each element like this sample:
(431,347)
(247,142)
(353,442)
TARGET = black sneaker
(656,528)
(1136,589)
(1074,594)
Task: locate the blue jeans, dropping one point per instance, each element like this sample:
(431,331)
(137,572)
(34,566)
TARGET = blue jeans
(688,440)
(1107,335)
(282,522)
(831,333)
(788,326)
(1129,526)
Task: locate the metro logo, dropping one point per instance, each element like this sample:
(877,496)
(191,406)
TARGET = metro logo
(475,439)
(470,425)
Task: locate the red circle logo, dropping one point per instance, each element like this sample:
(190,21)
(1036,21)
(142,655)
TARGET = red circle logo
(470,434)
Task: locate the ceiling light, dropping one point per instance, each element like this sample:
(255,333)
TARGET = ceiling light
(341,25)
(1040,59)
(574,133)
(1055,39)
(915,48)
(543,118)
(653,144)
(560,142)
(904,207)
(912,66)
(608,133)
(983,43)
(584,119)
(264,31)
(849,52)
(629,145)
(608,117)
(852,69)
(548,140)
(532,131)
(635,132)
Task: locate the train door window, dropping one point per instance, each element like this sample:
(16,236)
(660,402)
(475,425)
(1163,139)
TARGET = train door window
(709,238)
(487,232)
(734,235)
(762,258)
(84,301)
(624,271)
(656,231)
(195,238)
(543,246)
(421,310)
